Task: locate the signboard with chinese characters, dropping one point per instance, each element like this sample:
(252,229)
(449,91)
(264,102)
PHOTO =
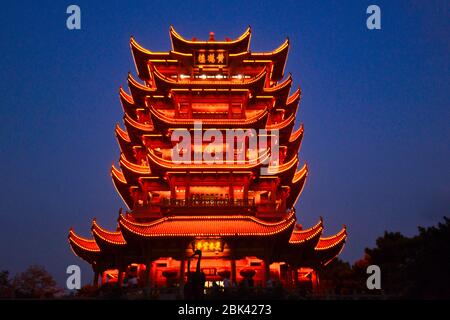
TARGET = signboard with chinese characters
(208,245)
(211,58)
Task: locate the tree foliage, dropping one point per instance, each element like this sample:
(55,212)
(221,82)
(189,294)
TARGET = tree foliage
(35,282)
(411,267)
(5,285)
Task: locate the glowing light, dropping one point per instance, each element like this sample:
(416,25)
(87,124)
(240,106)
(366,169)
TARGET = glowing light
(208,245)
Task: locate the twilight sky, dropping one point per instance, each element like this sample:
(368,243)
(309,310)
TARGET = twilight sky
(375,108)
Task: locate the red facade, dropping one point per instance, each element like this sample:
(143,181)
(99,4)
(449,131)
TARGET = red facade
(209,161)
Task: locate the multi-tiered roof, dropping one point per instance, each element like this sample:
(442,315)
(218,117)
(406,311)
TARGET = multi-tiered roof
(222,85)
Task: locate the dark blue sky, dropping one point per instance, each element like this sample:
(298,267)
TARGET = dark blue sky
(375,108)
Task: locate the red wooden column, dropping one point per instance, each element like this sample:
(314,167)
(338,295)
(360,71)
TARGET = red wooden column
(95,282)
(187,193)
(244,104)
(315,281)
(148,267)
(246,183)
(233,270)
(182,267)
(231,190)
(177,105)
(120,276)
(172,187)
(266,272)
(190,105)
(295,277)
(230,109)
(273,193)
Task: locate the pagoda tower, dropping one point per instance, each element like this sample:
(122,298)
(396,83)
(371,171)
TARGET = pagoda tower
(193,178)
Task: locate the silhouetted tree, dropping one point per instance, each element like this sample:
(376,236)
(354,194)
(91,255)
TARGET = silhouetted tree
(359,275)
(428,271)
(335,275)
(341,278)
(411,267)
(416,267)
(5,285)
(393,254)
(35,282)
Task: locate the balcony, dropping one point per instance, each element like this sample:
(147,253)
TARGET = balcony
(207,203)
(206,206)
